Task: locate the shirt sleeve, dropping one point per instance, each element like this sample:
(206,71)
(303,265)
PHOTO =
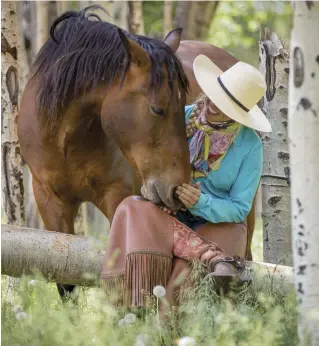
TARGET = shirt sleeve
(236,207)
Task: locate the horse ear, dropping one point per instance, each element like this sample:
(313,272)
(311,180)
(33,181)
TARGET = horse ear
(135,52)
(173,39)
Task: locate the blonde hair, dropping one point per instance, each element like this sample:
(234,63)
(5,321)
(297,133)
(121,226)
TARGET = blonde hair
(201,100)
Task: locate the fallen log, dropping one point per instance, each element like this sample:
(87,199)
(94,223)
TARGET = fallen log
(59,257)
(77,260)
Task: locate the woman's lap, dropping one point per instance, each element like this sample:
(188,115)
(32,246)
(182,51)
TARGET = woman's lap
(231,237)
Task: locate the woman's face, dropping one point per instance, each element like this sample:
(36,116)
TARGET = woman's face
(213,114)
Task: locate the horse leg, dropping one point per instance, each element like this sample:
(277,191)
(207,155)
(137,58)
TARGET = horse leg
(115,195)
(58,216)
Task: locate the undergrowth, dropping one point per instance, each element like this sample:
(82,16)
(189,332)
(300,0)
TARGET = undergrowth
(36,316)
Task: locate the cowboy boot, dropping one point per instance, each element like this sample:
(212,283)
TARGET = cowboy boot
(224,269)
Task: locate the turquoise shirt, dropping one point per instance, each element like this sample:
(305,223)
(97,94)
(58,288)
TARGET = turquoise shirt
(227,194)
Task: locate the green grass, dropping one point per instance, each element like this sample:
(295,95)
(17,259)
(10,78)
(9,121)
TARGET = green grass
(37,317)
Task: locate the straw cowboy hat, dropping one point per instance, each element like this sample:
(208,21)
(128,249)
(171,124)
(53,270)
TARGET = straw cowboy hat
(235,92)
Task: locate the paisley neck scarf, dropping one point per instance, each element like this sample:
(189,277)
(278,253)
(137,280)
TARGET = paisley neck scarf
(209,143)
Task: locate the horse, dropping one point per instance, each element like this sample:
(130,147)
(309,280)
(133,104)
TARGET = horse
(102,118)
(100,106)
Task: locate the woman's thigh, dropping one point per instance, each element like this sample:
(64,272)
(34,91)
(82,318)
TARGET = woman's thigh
(231,237)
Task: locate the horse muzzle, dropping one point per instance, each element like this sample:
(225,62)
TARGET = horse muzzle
(158,193)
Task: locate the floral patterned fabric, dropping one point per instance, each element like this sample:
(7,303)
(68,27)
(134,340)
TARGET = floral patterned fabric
(190,246)
(208,145)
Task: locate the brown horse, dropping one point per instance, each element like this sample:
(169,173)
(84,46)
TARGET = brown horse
(102,116)
(100,105)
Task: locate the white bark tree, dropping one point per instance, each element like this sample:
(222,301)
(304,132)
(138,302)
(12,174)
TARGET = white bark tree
(195,17)
(24,10)
(121,13)
(136,19)
(11,160)
(12,172)
(167,17)
(304,148)
(274,65)
(62,6)
(42,24)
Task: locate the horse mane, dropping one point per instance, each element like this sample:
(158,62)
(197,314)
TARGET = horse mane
(82,53)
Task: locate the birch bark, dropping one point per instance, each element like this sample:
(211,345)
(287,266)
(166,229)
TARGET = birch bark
(274,65)
(136,20)
(12,172)
(304,148)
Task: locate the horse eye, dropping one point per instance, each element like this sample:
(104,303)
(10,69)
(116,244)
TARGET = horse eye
(158,111)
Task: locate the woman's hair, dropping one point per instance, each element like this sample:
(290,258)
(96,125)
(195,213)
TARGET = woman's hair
(201,100)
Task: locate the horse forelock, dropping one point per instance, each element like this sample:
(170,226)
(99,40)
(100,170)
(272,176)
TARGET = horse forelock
(83,53)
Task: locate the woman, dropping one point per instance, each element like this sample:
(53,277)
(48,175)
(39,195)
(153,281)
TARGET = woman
(226,157)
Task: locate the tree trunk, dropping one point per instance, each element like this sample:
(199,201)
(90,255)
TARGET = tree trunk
(60,257)
(183,11)
(42,24)
(167,17)
(274,65)
(304,148)
(76,260)
(136,21)
(12,172)
(32,215)
(195,17)
(204,12)
(62,6)
(27,21)
(81,226)
(121,14)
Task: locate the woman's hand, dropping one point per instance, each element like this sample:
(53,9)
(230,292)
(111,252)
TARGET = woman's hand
(189,194)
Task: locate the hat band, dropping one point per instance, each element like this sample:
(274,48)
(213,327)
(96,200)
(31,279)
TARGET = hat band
(231,96)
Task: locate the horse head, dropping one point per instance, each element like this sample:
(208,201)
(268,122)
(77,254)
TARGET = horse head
(135,84)
(143,112)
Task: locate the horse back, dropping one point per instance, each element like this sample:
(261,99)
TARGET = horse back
(189,50)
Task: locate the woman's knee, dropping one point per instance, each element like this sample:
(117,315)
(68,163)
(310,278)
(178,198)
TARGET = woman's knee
(137,204)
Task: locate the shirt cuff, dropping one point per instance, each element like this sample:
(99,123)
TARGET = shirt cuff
(202,201)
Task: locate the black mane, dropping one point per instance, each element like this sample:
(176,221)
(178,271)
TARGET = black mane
(82,53)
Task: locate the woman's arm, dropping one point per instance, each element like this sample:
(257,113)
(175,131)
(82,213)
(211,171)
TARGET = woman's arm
(236,207)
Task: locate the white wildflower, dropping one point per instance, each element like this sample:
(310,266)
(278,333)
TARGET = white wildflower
(139,343)
(122,323)
(159,291)
(31,283)
(141,340)
(186,341)
(17,309)
(130,318)
(21,315)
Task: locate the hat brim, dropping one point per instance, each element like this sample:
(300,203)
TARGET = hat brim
(206,74)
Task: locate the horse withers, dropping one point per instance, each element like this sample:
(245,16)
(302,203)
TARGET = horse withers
(100,105)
